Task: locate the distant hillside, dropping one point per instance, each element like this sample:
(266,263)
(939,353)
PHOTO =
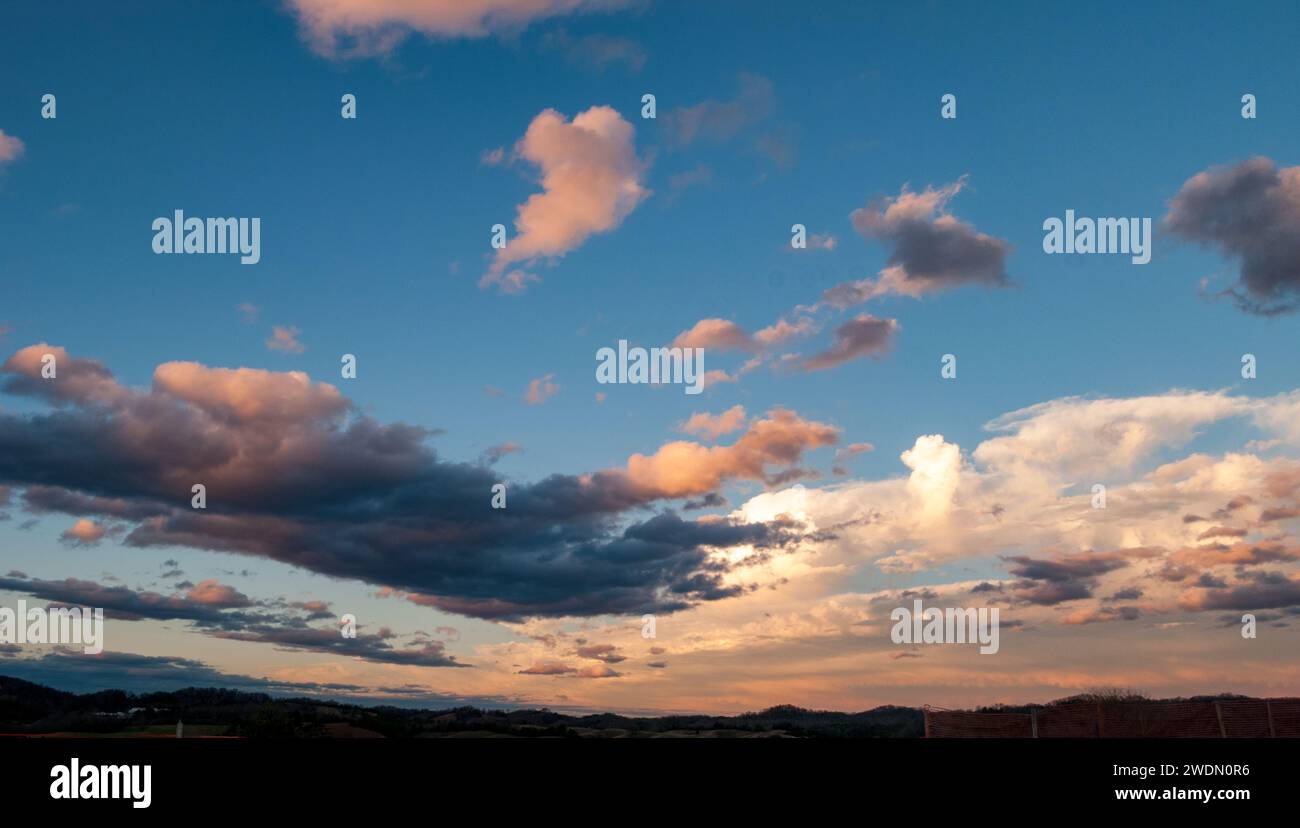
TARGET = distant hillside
(29,708)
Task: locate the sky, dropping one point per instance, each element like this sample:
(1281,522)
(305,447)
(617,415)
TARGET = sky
(828,473)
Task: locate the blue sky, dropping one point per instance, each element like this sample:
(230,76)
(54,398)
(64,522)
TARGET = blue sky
(375,231)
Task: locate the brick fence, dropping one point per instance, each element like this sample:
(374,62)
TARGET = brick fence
(1252,718)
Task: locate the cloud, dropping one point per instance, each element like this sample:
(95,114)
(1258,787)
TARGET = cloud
(864,335)
(597,671)
(285,339)
(591,181)
(713,426)
(541,389)
(719,121)
(83,533)
(607,653)
(936,472)
(210,593)
(597,52)
(494,453)
(221,611)
(1249,211)
(76,380)
(364,28)
(933,251)
(249,394)
(724,335)
(249,311)
(679,182)
(715,334)
(683,469)
(1079,436)
(1262,590)
(296,474)
(11,148)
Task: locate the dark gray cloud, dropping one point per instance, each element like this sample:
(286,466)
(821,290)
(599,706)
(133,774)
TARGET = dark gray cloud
(932,250)
(223,612)
(1249,211)
(607,653)
(864,335)
(294,473)
(76,672)
(1256,591)
(1048,582)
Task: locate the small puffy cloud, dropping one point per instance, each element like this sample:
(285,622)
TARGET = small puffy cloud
(821,241)
(541,389)
(83,533)
(79,381)
(11,148)
(591,181)
(864,335)
(607,653)
(495,453)
(783,330)
(248,311)
(211,593)
(713,426)
(285,339)
(1250,212)
(715,334)
(853,450)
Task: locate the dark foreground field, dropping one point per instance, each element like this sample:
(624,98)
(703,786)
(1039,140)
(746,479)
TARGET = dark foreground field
(33,710)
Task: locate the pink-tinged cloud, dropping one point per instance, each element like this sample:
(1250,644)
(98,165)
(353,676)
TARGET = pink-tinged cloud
(783,330)
(84,532)
(597,671)
(682,469)
(75,381)
(211,593)
(541,389)
(712,426)
(715,334)
(864,335)
(591,181)
(285,339)
(724,335)
(362,28)
(303,477)
(249,394)
(11,148)
(1238,554)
